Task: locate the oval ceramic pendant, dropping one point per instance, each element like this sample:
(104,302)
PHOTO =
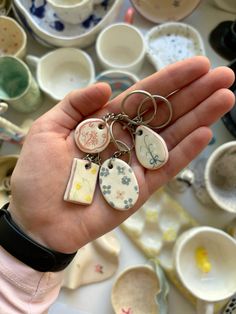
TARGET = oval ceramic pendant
(118,184)
(92,135)
(150,148)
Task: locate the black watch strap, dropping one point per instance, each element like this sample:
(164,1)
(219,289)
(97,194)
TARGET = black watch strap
(25,249)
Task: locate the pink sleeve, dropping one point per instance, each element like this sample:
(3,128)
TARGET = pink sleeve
(25,290)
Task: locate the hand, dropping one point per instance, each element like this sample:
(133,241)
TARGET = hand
(200,98)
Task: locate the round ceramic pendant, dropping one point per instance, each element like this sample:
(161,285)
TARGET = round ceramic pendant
(150,148)
(118,184)
(92,136)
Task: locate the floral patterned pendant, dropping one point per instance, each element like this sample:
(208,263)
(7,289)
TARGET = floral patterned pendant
(82,182)
(118,184)
(92,135)
(150,148)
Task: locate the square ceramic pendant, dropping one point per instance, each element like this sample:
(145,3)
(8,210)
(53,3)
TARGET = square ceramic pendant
(82,182)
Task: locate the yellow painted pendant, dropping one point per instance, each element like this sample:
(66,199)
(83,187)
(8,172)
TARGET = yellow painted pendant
(82,182)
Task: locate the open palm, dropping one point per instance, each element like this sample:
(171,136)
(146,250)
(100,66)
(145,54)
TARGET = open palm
(199,97)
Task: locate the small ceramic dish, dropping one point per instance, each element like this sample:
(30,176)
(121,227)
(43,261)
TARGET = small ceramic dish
(135,290)
(5,7)
(42,22)
(62,70)
(171,42)
(12,38)
(165,10)
(118,80)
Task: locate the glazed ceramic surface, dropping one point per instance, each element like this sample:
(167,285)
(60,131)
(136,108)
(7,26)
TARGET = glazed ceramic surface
(208,275)
(118,80)
(72,12)
(94,262)
(231,306)
(159,11)
(12,38)
(63,70)
(40,19)
(17,85)
(121,46)
(171,42)
(220,176)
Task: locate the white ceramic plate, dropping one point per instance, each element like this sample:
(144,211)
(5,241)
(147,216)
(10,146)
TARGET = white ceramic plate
(43,23)
(171,42)
(159,11)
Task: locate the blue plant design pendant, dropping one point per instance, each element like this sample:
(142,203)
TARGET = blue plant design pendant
(150,148)
(118,184)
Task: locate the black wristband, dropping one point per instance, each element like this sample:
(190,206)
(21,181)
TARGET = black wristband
(26,250)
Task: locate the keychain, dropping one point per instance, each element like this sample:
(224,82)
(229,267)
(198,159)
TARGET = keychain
(150,148)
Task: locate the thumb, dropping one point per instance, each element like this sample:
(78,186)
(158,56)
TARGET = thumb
(76,105)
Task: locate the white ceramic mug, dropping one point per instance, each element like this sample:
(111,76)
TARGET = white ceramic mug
(205,259)
(63,70)
(72,11)
(220,176)
(121,46)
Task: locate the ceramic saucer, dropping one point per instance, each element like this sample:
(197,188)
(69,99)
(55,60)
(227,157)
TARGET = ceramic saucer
(218,40)
(171,42)
(165,10)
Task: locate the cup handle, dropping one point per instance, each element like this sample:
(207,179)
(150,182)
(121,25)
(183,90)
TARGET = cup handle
(32,60)
(204,307)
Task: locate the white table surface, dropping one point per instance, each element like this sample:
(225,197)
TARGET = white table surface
(95,298)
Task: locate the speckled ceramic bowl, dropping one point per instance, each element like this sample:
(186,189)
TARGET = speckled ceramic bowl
(42,22)
(12,38)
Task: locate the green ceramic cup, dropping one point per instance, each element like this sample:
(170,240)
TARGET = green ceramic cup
(17,86)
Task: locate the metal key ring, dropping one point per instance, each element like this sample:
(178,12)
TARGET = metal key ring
(115,141)
(138,118)
(169,105)
(121,152)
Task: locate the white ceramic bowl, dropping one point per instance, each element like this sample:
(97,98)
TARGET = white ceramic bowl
(165,10)
(171,42)
(49,30)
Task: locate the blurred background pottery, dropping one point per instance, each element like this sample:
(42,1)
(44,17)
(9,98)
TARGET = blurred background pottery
(172,42)
(42,22)
(5,7)
(62,70)
(118,80)
(72,11)
(17,85)
(226,5)
(165,10)
(12,38)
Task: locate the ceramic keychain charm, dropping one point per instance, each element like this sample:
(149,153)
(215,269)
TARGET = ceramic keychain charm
(118,183)
(150,148)
(82,182)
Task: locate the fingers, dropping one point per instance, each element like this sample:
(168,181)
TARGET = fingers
(207,113)
(180,156)
(81,102)
(190,96)
(164,82)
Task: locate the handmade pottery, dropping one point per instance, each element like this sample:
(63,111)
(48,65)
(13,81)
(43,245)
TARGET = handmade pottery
(63,70)
(231,306)
(17,85)
(96,261)
(208,275)
(223,39)
(226,5)
(135,291)
(171,42)
(72,11)
(5,7)
(118,80)
(165,10)
(182,181)
(7,165)
(40,19)
(220,176)
(12,38)
(121,46)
